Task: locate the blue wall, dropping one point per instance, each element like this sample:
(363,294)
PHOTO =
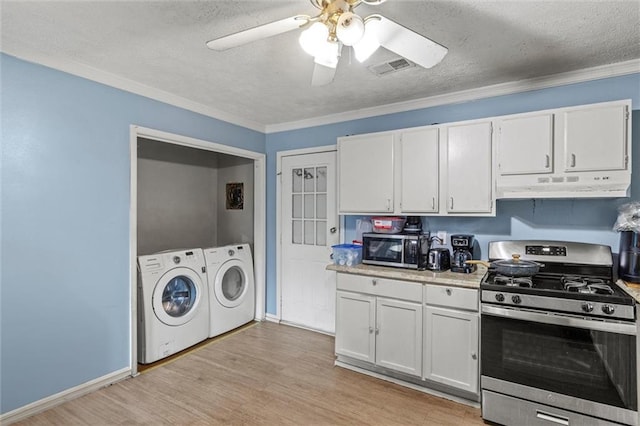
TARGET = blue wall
(574,220)
(65,224)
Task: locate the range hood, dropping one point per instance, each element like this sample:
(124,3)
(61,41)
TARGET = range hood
(610,184)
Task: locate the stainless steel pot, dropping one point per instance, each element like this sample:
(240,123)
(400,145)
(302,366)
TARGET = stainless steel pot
(513,267)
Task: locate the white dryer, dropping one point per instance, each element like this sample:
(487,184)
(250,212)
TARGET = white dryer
(173,303)
(231,287)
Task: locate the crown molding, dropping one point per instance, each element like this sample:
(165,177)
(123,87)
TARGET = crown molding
(554,80)
(109,79)
(100,76)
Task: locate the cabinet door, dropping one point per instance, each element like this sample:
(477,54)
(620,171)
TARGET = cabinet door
(419,171)
(595,138)
(355,325)
(451,348)
(469,163)
(365,173)
(399,335)
(525,145)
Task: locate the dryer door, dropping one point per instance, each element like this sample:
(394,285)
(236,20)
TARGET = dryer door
(231,283)
(177,295)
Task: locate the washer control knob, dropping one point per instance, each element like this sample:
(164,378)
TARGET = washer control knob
(587,307)
(516,299)
(231,252)
(500,297)
(176,259)
(608,309)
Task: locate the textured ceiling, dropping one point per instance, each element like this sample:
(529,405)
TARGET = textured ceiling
(161,44)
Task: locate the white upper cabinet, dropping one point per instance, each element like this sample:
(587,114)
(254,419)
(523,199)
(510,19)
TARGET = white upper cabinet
(419,180)
(366,173)
(469,177)
(595,138)
(525,144)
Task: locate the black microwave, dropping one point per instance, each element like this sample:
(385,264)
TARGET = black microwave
(399,250)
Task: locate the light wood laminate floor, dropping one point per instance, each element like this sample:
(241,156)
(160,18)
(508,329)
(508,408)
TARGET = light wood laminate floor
(266,374)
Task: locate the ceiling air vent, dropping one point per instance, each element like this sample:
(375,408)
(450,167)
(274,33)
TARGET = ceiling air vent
(390,66)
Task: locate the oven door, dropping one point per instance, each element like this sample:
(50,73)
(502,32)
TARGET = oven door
(593,361)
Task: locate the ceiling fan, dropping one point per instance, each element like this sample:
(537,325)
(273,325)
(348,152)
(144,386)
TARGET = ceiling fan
(336,26)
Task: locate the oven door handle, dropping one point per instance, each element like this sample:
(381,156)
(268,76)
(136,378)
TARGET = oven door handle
(563,320)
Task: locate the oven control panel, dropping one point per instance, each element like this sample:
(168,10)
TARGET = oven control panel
(546,250)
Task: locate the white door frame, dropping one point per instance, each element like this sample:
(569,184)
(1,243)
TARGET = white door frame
(259,217)
(280,154)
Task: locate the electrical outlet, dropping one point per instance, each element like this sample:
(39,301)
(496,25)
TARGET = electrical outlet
(443,237)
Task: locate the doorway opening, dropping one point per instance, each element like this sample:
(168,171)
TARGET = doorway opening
(192,179)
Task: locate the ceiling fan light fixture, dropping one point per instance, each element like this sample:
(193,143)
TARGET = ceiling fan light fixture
(328,54)
(369,42)
(349,28)
(312,39)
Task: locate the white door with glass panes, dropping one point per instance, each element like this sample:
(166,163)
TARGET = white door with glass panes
(309,224)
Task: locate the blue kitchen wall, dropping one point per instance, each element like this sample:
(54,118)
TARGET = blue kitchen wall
(575,220)
(64,289)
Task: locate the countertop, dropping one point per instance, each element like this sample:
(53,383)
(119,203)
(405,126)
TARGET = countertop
(456,279)
(631,288)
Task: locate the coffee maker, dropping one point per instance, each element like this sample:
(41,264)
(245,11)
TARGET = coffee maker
(462,245)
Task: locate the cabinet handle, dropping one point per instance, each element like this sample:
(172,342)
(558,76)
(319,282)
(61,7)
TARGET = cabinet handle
(377,331)
(433,203)
(374,282)
(448,291)
(573,160)
(451,203)
(547,161)
(370,330)
(388,205)
(474,355)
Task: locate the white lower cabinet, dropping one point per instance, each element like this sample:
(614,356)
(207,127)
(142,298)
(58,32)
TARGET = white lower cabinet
(451,337)
(428,332)
(380,330)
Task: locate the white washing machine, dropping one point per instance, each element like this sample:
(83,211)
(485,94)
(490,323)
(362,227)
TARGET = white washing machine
(231,287)
(173,303)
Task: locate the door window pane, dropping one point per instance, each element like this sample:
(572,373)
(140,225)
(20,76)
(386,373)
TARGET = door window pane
(309,232)
(296,210)
(296,179)
(296,235)
(321,179)
(309,179)
(321,206)
(309,210)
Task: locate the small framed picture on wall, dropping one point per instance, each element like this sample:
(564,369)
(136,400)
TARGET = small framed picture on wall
(235,196)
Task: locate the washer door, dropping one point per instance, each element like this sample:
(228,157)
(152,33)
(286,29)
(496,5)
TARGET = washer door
(231,283)
(176,296)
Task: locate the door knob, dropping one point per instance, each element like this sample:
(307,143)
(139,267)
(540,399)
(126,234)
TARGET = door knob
(333,230)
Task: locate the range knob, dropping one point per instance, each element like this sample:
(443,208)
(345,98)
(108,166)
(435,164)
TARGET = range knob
(500,297)
(608,309)
(516,299)
(587,307)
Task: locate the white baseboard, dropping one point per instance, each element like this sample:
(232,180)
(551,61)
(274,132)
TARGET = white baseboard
(64,396)
(272,318)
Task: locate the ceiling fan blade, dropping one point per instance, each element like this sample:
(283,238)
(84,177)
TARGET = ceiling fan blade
(322,75)
(409,44)
(257,33)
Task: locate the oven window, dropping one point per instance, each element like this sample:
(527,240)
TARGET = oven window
(383,249)
(592,365)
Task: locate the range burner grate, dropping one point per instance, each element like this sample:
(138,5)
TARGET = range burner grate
(513,281)
(587,285)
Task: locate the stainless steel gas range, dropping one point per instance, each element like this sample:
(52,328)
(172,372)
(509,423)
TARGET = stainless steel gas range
(558,347)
